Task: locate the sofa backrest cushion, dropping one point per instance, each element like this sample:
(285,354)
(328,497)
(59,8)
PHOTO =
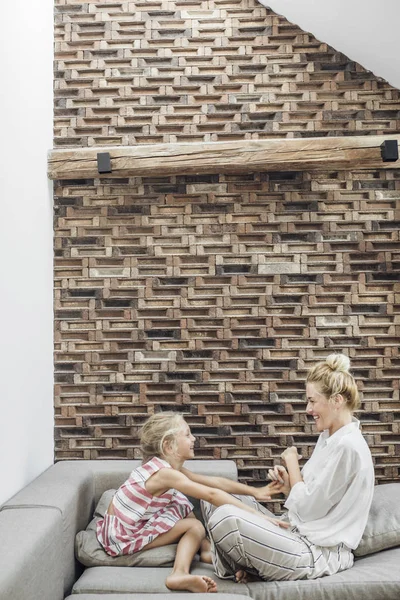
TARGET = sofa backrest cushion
(383,525)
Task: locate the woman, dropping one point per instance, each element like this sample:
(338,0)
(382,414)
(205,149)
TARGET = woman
(328,500)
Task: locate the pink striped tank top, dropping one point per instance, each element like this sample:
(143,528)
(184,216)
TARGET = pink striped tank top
(138,516)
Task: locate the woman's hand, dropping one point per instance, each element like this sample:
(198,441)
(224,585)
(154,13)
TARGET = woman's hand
(280,476)
(290,453)
(291,458)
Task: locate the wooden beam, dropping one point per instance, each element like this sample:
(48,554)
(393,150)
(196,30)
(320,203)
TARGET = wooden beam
(353,152)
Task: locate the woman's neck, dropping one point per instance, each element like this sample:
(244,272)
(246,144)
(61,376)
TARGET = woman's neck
(344,418)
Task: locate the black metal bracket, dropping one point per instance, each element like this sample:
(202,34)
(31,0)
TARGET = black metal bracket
(390,151)
(104,162)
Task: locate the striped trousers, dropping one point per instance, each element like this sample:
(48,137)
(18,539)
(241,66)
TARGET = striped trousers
(242,540)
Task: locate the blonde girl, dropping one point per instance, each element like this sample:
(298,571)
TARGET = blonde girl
(327,501)
(151,508)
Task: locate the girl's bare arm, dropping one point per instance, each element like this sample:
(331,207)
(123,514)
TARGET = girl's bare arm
(166,479)
(261,494)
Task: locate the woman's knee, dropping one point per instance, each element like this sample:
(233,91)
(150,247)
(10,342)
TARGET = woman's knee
(223,513)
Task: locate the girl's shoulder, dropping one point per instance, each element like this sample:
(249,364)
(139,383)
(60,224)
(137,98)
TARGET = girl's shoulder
(140,475)
(153,465)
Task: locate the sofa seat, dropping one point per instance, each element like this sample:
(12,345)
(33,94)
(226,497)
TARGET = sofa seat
(374,577)
(171,596)
(143,580)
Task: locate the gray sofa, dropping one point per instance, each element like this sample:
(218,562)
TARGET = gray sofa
(39,528)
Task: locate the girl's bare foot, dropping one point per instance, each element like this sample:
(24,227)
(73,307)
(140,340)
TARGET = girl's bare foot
(191,583)
(205,552)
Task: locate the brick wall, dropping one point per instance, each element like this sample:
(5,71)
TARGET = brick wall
(214,294)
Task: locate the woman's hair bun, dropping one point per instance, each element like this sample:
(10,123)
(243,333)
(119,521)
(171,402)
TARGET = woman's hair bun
(338,362)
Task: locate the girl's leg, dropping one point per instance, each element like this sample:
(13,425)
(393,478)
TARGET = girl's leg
(205,551)
(189,534)
(205,546)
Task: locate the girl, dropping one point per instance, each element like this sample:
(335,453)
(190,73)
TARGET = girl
(150,509)
(328,500)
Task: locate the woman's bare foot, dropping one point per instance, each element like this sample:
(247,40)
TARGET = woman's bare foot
(243,576)
(205,552)
(191,583)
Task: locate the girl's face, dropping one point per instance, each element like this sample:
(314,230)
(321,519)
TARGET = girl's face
(184,442)
(324,413)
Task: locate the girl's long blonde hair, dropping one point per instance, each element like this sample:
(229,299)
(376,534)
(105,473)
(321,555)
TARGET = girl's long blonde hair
(158,429)
(333,377)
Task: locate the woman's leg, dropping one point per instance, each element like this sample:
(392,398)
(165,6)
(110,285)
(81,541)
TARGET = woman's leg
(242,541)
(189,534)
(208,509)
(223,567)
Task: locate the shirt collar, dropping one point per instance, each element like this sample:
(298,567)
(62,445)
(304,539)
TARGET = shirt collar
(340,433)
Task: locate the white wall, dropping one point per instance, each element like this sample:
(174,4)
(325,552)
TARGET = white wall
(26,396)
(366,31)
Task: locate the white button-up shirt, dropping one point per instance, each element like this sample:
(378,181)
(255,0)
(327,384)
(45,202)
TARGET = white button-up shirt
(331,505)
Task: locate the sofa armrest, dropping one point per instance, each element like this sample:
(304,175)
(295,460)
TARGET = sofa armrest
(31,554)
(67,489)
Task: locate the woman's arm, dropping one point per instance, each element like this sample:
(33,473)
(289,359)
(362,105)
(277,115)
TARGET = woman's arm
(313,498)
(166,479)
(262,494)
(291,458)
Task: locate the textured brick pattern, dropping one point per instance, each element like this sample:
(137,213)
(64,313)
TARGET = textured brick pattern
(214,294)
(161,71)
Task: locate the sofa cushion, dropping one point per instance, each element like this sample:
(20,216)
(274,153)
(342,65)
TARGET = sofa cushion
(142,581)
(171,595)
(370,578)
(90,553)
(383,526)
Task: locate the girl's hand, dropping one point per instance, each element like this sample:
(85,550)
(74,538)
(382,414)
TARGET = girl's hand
(276,522)
(264,493)
(290,453)
(280,477)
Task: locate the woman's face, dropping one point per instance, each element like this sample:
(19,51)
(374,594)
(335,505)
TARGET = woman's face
(324,413)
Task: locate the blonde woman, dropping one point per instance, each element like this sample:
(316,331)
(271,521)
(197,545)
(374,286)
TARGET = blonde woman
(151,508)
(327,501)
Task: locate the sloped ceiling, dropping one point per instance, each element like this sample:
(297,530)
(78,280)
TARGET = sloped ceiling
(367,31)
